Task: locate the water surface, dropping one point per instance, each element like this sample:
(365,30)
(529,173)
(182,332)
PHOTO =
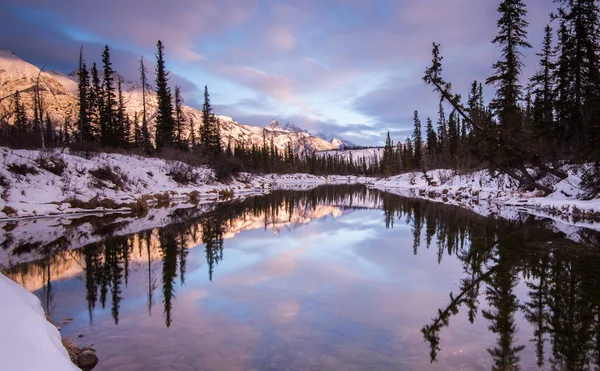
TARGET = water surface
(337,278)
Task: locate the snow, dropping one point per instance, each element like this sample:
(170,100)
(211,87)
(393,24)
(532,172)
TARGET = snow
(46,194)
(27,340)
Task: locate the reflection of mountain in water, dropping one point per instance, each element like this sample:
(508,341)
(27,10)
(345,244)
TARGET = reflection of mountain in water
(562,303)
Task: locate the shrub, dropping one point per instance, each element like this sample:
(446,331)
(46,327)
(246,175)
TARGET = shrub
(193,197)
(162,199)
(110,174)
(51,162)
(182,173)
(22,169)
(226,167)
(9,210)
(86,150)
(225,194)
(93,203)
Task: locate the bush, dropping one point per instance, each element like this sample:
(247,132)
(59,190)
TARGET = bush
(226,167)
(225,194)
(193,197)
(162,199)
(9,211)
(110,174)
(22,169)
(51,162)
(93,203)
(182,173)
(86,150)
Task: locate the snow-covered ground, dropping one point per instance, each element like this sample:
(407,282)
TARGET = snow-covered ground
(27,340)
(28,189)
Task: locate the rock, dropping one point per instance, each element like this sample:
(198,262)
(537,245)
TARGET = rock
(81,335)
(87,360)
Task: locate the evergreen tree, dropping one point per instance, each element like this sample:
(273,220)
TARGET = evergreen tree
(146,143)
(49,132)
(21,124)
(84,92)
(512,37)
(388,160)
(164,119)
(95,104)
(107,115)
(210,136)
(122,130)
(138,141)
(179,121)
(418,141)
(432,142)
(192,137)
(543,86)
(578,73)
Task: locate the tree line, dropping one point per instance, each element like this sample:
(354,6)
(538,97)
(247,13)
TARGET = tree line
(552,119)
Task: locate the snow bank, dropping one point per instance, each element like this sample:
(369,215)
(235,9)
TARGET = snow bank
(27,340)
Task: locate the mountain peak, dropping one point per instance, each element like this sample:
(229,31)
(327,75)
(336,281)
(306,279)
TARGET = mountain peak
(294,128)
(274,125)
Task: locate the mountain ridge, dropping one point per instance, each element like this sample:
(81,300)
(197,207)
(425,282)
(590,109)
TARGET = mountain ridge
(59,96)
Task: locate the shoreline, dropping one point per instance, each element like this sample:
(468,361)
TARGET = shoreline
(46,184)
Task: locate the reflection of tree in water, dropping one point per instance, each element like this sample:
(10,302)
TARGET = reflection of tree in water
(563,299)
(562,303)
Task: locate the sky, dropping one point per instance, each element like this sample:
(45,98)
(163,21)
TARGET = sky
(348,67)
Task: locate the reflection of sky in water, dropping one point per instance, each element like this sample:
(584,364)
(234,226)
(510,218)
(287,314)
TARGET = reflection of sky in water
(340,293)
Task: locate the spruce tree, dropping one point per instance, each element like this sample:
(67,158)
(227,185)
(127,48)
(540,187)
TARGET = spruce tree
(543,87)
(146,143)
(210,136)
(511,37)
(179,121)
(431,139)
(417,140)
(95,104)
(107,116)
(387,159)
(84,92)
(579,73)
(49,132)
(164,119)
(121,131)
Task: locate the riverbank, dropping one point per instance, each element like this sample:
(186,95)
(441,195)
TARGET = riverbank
(27,340)
(58,182)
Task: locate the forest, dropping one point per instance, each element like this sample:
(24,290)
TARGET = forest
(530,128)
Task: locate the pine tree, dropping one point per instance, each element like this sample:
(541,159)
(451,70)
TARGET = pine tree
(138,141)
(387,159)
(122,130)
(107,115)
(146,143)
(418,141)
(95,104)
(164,119)
(21,124)
(512,37)
(432,142)
(179,121)
(578,73)
(192,137)
(210,136)
(49,132)
(543,86)
(84,92)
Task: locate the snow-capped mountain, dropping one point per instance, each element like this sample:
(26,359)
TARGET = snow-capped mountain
(337,141)
(59,97)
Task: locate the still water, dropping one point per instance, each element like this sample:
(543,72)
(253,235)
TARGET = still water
(337,278)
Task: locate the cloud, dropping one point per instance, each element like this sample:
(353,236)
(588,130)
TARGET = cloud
(354,61)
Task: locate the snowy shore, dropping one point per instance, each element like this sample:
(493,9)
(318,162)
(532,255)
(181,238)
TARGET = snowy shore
(27,340)
(35,183)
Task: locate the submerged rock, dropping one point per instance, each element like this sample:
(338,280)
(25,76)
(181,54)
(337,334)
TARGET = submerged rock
(87,359)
